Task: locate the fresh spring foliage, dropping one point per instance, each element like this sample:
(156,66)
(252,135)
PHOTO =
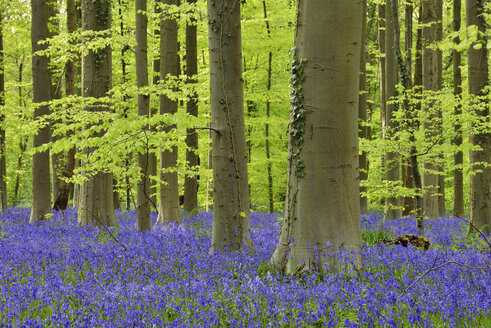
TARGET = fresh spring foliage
(57,274)
(124,136)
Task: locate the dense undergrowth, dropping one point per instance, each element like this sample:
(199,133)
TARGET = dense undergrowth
(59,275)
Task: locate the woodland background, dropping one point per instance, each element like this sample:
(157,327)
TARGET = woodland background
(441,122)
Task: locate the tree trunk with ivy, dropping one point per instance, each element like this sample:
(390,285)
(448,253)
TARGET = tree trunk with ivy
(143,186)
(96,195)
(169,193)
(230,227)
(480,190)
(323,203)
(192,158)
(41,79)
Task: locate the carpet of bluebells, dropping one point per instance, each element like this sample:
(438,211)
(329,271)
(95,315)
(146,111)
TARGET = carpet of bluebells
(59,275)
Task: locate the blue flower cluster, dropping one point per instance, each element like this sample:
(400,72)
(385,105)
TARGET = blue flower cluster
(59,275)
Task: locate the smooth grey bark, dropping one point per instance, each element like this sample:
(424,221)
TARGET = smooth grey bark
(458,176)
(432,80)
(192,158)
(391,157)
(96,195)
(117,204)
(477,64)
(3,160)
(209,182)
(417,88)
(323,200)
(56,93)
(23,141)
(152,160)
(408,203)
(230,228)
(169,193)
(404,68)
(41,80)
(268,115)
(143,185)
(76,188)
(382,77)
(362,111)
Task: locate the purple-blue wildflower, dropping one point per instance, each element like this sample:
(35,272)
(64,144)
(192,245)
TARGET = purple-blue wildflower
(58,274)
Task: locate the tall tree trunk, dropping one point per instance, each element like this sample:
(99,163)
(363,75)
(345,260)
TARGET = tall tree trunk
(480,192)
(23,140)
(404,68)
(432,80)
(191,181)
(251,109)
(382,77)
(362,112)
(391,157)
(169,193)
(72,72)
(143,187)
(417,88)
(96,199)
(268,115)
(407,176)
(458,177)
(125,79)
(56,93)
(3,160)
(323,201)
(77,188)
(41,80)
(230,181)
(152,161)
(209,182)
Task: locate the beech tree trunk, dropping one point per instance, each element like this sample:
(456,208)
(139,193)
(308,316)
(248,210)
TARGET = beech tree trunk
(169,193)
(362,112)
(191,181)
(230,227)
(432,80)
(143,186)
(323,200)
(23,140)
(480,191)
(41,80)
(152,160)
(3,160)
(417,88)
(382,78)
(458,177)
(72,72)
(96,195)
(126,47)
(391,157)
(407,175)
(268,115)
(56,93)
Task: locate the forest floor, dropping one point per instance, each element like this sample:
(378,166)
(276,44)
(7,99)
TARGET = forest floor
(59,275)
